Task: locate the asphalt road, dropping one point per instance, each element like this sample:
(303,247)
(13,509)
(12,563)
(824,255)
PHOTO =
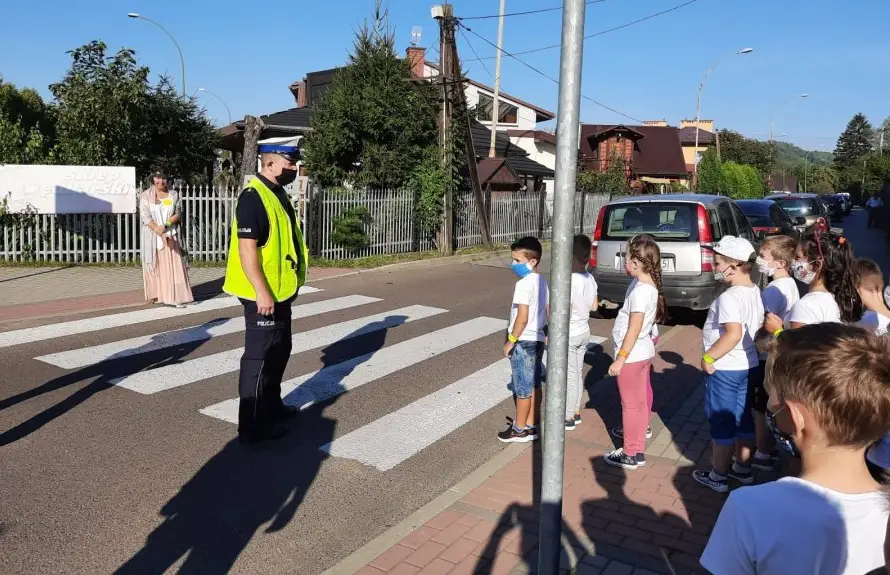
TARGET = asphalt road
(109,465)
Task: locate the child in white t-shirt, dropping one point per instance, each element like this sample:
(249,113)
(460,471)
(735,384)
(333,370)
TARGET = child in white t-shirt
(832,519)
(525,340)
(876,320)
(634,349)
(776,253)
(825,262)
(584,300)
(729,356)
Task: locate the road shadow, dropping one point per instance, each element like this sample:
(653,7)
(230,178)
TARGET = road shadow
(40,273)
(248,487)
(101,376)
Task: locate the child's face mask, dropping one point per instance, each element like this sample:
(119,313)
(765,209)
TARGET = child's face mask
(802,271)
(767,267)
(522,269)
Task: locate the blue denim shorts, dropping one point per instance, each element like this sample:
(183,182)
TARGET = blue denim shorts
(527,363)
(728,405)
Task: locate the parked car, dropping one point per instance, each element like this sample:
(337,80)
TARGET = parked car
(834,204)
(768,217)
(685,226)
(848,200)
(807,206)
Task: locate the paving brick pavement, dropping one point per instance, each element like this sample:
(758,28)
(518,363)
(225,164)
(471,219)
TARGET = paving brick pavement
(27,292)
(652,520)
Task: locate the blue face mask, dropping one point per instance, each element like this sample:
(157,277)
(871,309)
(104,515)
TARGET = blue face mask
(522,269)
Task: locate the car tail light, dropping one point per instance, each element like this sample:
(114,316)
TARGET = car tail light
(704,238)
(597,234)
(768,230)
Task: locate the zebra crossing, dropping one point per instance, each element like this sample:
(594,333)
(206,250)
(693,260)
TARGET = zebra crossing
(383,443)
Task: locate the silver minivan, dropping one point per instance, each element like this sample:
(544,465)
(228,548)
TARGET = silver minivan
(685,227)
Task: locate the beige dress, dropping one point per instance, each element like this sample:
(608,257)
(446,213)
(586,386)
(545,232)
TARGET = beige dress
(164,271)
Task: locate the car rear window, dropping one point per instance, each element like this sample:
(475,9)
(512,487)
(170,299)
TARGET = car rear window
(667,221)
(759,220)
(799,206)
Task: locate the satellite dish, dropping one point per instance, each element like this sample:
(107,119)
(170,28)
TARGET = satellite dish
(415,35)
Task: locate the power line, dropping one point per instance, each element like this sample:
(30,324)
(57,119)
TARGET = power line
(527,12)
(472,49)
(543,74)
(616,28)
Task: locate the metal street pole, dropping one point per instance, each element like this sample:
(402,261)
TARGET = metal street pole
(567,136)
(772,122)
(223,102)
(495,111)
(175,43)
(701,87)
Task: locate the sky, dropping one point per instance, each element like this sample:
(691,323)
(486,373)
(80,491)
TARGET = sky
(246,58)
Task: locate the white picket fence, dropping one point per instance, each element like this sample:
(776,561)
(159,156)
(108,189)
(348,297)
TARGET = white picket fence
(207,219)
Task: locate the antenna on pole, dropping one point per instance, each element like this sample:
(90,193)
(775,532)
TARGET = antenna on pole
(415,35)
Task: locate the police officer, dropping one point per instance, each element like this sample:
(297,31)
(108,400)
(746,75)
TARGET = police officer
(267,265)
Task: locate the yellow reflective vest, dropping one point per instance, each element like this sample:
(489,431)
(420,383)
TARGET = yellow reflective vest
(284,270)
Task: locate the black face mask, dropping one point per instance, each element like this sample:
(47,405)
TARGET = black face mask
(286,177)
(783,440)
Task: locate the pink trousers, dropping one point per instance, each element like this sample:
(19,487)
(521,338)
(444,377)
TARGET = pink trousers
(635,388)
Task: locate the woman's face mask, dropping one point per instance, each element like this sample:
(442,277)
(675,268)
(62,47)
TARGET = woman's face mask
(801,270)
(782,439)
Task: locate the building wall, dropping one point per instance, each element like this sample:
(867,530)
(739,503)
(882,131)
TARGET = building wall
(541,152)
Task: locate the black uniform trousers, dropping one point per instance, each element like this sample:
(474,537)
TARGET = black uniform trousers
(267,347)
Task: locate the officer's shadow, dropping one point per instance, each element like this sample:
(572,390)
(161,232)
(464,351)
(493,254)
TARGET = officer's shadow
(246,487)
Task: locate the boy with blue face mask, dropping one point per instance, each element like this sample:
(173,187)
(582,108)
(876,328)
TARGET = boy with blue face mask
(525,339)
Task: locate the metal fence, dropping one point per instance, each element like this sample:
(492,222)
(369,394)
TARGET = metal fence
(207,213)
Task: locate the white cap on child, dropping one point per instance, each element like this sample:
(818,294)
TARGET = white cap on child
(736,248)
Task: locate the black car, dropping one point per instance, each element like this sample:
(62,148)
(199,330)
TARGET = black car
(834,204)
(768,217)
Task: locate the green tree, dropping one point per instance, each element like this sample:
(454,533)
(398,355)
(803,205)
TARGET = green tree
(107,113)
(27,126)
(611,181)
(854,143)
(735,147)
(710,174)
(374,124)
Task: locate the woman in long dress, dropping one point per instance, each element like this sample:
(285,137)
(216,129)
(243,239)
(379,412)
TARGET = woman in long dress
(164,268)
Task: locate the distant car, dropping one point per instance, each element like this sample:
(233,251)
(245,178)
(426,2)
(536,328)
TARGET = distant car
(848,202)
(835,205)
(768,218)
(807,206)
(685,226)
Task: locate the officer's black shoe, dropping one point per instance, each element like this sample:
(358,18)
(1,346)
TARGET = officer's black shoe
(265,433)
(283,412)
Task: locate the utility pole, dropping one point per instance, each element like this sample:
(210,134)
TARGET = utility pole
(445,15)
(567,136)
(495,112)
(253,127)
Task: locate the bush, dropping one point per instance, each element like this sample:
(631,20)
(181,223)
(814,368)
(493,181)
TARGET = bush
(349,229)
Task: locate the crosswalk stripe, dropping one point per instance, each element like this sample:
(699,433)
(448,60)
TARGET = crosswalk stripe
(83,357)
(179,374)
(335,379)
(386,442)
(56,330)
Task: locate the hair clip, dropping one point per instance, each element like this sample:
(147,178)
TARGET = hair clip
(841,240)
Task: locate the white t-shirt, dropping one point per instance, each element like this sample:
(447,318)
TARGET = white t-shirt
(874,202)
(779,297)
(879,454)
(640,297)
(814,307)
(583,295)
(738,304)
(531,291)
(794,527)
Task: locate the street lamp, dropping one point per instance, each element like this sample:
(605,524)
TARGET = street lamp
(137,16)
(698,107)
(229,112)
(772,122)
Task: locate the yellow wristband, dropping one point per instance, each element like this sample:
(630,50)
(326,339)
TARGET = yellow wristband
(778,331)
(512,338)
(622,353)
(708,359)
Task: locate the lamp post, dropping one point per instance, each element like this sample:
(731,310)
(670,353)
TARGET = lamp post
(698,107)
(137,16)
(229,112)
(772,122)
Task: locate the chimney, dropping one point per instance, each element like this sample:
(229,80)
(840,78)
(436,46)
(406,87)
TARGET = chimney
(417,59)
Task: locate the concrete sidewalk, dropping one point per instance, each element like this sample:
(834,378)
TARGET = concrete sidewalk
(652,520)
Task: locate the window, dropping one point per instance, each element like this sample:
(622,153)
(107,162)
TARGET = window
(507,113)
(779,216)
(724,215)
(665,221)
(744,226)
(799,206)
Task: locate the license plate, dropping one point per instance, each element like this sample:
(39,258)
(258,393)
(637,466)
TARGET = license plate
(667,264)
